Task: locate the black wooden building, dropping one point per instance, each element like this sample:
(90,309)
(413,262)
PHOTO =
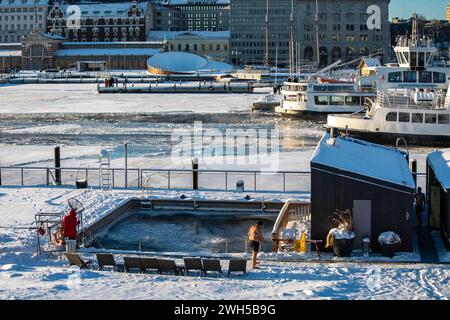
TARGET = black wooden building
(371,180)
(438,190)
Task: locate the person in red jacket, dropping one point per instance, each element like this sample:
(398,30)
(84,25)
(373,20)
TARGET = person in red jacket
(69,225)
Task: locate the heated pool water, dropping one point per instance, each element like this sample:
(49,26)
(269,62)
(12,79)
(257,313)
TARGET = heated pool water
(184,231)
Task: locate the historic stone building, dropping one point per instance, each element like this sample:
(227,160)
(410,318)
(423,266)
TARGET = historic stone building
(101,22)
(39,49)
(42,51)
(19,17)
(192,15)
(342,28)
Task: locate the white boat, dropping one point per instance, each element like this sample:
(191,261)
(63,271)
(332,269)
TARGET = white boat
(419,117)
(266,103)
(417,111)
(320,95)
(304,98)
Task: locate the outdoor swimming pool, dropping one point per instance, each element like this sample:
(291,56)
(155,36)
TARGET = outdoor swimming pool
(175,230)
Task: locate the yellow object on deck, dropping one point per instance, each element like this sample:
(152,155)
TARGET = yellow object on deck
(303,247)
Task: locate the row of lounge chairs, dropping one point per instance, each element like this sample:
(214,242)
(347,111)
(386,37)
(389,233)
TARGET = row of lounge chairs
(144,264)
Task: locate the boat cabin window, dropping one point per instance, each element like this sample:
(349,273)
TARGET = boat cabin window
(443,119)
(430,118)
(425,76)
(352,100)
(439,77)
(404,117)
(413,59)
(391,116)
(421,60)
(417,118)
(338,100)
(410,76)
(321,100)
(320,88)
(395,77)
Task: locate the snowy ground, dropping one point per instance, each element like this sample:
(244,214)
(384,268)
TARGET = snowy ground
(24,277)
(83,98)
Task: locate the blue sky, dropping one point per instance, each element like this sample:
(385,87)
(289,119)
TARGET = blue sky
(430,8)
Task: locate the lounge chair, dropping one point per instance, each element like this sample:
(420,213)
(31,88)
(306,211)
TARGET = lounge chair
(211,265)
(237,265)
(169,266)
(193,264)
(132,263)
(149,264)
(107,260)
(75,260)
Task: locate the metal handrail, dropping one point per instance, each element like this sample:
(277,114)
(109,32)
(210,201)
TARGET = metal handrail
(167,172)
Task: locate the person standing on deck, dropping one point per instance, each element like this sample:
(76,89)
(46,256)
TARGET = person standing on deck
(419,199)
(69,225)
(255,237)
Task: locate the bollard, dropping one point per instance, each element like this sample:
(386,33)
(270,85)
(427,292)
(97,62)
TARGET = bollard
(195,173)
(58,165)
(413,168)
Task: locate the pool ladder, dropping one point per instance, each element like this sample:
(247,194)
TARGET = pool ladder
(146,204)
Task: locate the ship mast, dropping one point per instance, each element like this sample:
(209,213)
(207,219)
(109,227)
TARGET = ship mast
(415,31)
(291,41)
(266,54)
(317,34)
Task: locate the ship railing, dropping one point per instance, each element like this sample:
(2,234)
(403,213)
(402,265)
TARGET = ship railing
(403,100)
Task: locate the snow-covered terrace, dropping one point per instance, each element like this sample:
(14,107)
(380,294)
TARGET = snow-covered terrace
(24,277)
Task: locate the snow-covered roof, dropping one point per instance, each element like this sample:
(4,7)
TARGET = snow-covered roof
(371,62)
(167,35)
(23,3)
(113,43)
(92,9)
(175,61)
(365,159)
(10,53)
(107,52)
(440,162)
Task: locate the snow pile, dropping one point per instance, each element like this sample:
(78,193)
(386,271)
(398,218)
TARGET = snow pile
(389,237)
(342,234)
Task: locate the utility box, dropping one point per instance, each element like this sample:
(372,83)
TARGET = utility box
(240,186)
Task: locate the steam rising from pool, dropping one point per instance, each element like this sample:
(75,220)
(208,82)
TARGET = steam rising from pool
(171,231)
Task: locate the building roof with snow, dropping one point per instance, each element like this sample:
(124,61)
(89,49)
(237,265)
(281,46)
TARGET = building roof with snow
(207,35)
(183,62)
(97,9)
(23,3)
(440,163)
(364,159)
(10,53)
(107,52)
